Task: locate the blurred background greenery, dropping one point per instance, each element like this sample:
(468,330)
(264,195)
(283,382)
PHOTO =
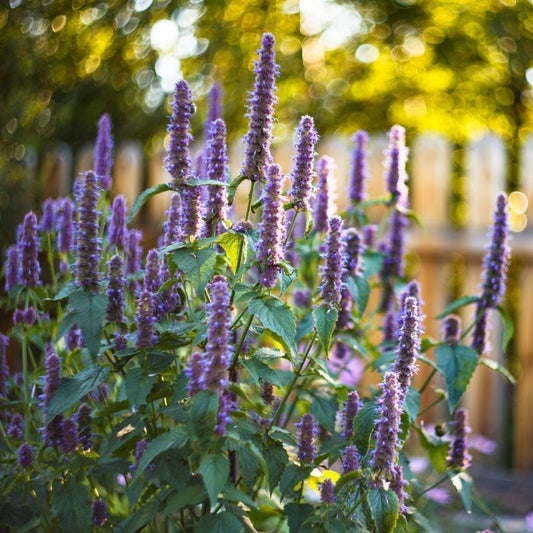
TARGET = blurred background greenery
(452,66)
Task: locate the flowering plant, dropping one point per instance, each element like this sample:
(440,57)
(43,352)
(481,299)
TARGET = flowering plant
(202,386)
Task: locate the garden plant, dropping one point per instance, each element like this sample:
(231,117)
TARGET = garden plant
(210,384)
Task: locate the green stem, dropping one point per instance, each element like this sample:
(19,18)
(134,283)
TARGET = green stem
(430,406)
(426,383)
(241,342)
(483,506)
(250,199)
(432,486)
(26,386)
(356,504)
(291,227)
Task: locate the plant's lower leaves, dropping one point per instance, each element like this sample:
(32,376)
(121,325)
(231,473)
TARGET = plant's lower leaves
(325,319)
(385,508)
(145,196)
(297,513)
(71,502)
(215,472)
(508,327)
(363,426)
(463,485)
(186,497)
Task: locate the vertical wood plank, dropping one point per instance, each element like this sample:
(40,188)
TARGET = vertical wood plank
(158,204)
(376,186)
(526,174)
(57,168)
(128,171)
(84,159)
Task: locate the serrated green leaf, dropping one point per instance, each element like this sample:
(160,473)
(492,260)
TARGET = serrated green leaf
(346,479)
(324,409)
(144,196)
(233,494)
(66,323)
(186,497)
(297,513)
(197,265)
(293,475)
(385,509)
(73,389)
(233,186)
(232,243)
(457,304)
(288,275)
(72,504)
(224,522)
(277,318)
(139,518)
(360,291)
(138,385)
(372,263)
(325,319)
(463,485)
(276,459)
(215,473)
(412,404)
(456,364)
(305,326)
(363,426)
(260,371)
(508,327)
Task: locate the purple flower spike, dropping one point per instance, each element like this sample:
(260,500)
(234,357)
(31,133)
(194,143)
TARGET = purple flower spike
(332,271)
(87,234)
(140,448)
(458,457)
(172,232)
(409,345)
(272,228)
(4,369)
(260,113)
(178,161)
(223,418)
(303,170)
(267,392)
(359,175)
(12,268)
(195,372)
(394,264)
(73,338)
(16,426)
(451,330)
(215,106)
(350,459)
(190,214)
(53,375)
(388,425)
(69,436)
(65,223)
(308,430)
(397,158)
(151,271)
(28,243)
(217,170)
(25,455)
(115,291)
(217,350)
(398,485)
(350,408)
(134,251)
(48,220)
(145,321)
(369,235)
(117,223)
(324,204)
(390,327)
(84,424)
(353,250)
(100,513)
(169,298)
(302,297)
(327,494)
(103,152)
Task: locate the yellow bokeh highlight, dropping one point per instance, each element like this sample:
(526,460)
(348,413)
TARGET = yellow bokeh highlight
(518,202)
(317,477)
(517,222)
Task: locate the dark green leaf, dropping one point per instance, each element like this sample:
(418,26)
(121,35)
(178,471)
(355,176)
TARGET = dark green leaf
(186,497)
(494,365)
(260,371)
(456,364)
(277,318)
(305,326)
(465,300)
(224,522)
(145,195)
(293,475)
(508,327)
(197,265)
(463,485)
(89,310)
(72,504)
(412,404)
(138,385)
(215,473)
(436,447)
(324,409)
(363,426)
(325,318)
(235,495)
(203,413)
(347,479)
(65,292)
(360,291)
(243,293)
(140,518)
(66,323)
(297,514)
(276,459)
(232,187)
(233,243)
(288,275)
(73,389)
(15,515)
(424,523)
(267,354)
(385,509)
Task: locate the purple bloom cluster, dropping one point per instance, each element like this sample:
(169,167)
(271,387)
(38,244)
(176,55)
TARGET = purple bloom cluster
(324,205)
(302,297)
(272,228)
(398,484)
(16,427)
(332,271)
(214,110)
(65,226)
(388,425)
(327,494)
(12,267)
(53,433)
(145,321)
(103,152)
(458,457)
(190,213)
(369,235)
(303,171)
(25,455)
(225,406)
(350,408)
(88,241)
(28,316)
(397,158)
(171,226)
(134,251)
(84,424)
(117,230)
(100,513)
(350,459)
(69,436)
(353,250)
(115,291)
(359,174)
(48,218)
(267,392)
(140,448)
(151,271)
(73,338)
(260,113)
(28,249)
(390,327)
(195,372)
(451,330)
(308,429)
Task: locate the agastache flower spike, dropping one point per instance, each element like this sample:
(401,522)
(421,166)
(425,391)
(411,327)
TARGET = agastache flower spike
(172,224)
(100,513)
(223,417)
(369,235)
(260,112)
(350,408)
(48,219)
(350,459)
(332,271)
(217,170)
(408,345)
(458,457)
(4,369)
(195,372)
(272,228)
(327,494)
(115,291)
(359,168)
(390,327)
(353,250)
(53,430)
(15,428)
(151,271)
(25,455)
(87,234)
(65,222)
(134,251)
(451,330)
(84,423)
(69,436)
(324,203)
(397,158)
(103,152)
(214,110)
(117,222)
(145,320)
(397,484)
(178,161)
(190,214)
(28,244)
(217,350)
(388,425)
(308,430)
(12,267)
(303,170)
(140,448)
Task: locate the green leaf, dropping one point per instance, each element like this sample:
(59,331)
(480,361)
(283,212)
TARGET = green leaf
(385,509)
(276,459)
(140,518)
(203,183)
(197,265)
(277,318)
(260,371)
(436,447)
(66,323)
(456,364)
(186,497)
(324,409)
(305,326)
(67,289)
(346,479)
(243,293)
(288,275)
(363,426)
(372,263)
(89,310)
(360,291)
(232,187)
(465,300)
(232,243)
(293,474)
(412,404)
(224,522)
(325,318)
(203,413)
(73,389)
(145,195)
(463,485)
(233,494)
(508,327)
(494,365)
(138,385)
(72,504)
(215,473)
(297,513)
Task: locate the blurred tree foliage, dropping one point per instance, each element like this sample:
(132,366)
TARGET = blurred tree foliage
(452,66)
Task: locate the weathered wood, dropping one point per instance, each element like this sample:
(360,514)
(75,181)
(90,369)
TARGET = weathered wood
(158,204)
(376,186)
(56,171)
(128,171)
(526,174)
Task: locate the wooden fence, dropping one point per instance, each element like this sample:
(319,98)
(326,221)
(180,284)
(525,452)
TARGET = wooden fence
(496,411)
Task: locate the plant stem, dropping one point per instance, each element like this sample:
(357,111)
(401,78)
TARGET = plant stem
(26,389)
(250,199)
(241,342)
(430,406)
(352,510)
(426,383)
(291,227)
(432,486)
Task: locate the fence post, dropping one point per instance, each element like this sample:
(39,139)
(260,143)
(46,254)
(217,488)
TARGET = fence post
(526,174)
(57,168)
(376,186)
(128,171)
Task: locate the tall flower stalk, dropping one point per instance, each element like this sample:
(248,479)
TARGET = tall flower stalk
(103,152)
